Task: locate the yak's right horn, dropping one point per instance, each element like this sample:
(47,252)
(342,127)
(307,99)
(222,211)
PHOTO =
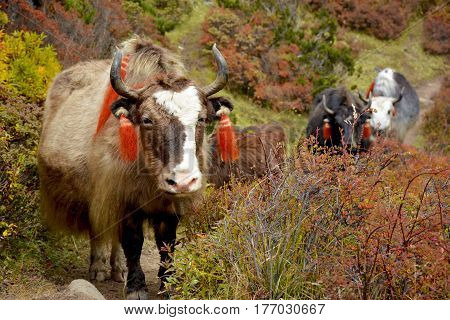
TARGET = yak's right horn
(222,74)
(324,105)
(116,80)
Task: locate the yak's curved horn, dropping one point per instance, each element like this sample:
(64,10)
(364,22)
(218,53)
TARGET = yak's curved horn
(367,103)
(116,80)
(362,98)
(222,74)
(324,105)
(399,97)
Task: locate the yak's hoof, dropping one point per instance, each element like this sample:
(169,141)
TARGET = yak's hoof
(118,275)
(98,272)
(98,275)
(138,295)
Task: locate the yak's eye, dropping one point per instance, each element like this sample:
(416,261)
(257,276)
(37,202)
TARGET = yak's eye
(147,121)
(202,120)
(389,112)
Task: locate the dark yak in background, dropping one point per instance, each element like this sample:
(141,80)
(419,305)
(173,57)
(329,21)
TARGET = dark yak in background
(338,119)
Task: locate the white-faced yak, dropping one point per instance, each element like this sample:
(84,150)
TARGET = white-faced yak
(123,142)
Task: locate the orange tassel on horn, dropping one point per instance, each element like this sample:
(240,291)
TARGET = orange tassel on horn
(110,97)
(326,129)
(226,140)
(128,139)
(366,130)
(372,85)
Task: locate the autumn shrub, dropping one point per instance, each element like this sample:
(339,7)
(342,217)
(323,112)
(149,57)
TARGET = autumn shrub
(436,123)
(334,227)
(65,27)
(436,36)
(26,65)
(272,60)
(383,19)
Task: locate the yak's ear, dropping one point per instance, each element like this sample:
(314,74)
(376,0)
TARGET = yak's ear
(217,106)
(126,107)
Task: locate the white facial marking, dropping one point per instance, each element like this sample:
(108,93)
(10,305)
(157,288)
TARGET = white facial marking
(185,105)
(383,110)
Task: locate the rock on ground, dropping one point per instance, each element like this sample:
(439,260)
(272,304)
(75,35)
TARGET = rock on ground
(81,289)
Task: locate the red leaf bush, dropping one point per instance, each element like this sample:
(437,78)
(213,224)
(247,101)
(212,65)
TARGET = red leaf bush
(331,226)
(436,37)
(436,123)
(73,39)
(383,19)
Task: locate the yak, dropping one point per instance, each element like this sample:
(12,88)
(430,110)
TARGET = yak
(383,109)
(339,119)
(389,83)
(89,185)
(262,150)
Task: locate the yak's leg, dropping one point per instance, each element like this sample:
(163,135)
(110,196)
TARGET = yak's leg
(118,268)
(99,252)
(165,227)
(132,240)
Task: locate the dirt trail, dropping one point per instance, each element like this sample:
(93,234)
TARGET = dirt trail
(426,93)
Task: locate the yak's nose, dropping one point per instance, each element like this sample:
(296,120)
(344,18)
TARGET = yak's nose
(181,182)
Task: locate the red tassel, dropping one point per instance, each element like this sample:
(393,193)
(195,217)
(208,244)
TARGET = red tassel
(110,97)
(366,130)
(128,139)
(226,140)
(372,85)
(326,130)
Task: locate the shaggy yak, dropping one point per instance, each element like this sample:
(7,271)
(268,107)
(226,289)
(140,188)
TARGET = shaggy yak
(338,118)
(105,175)
(262,150)
(405,111)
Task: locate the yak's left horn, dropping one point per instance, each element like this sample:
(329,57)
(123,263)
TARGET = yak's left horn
(116,80)
(324,105)
(399,97)
(367,103)
(362,98)
(222,74)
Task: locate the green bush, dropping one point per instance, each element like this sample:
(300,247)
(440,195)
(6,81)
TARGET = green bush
(167,13)
(232,4)
(84,8)
(26,66)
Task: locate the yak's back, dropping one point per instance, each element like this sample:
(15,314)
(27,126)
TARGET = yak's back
(262,150)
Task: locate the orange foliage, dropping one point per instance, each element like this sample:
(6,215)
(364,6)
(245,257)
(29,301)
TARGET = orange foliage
(437,32)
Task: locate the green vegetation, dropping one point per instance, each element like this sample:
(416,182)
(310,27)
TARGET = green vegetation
(26,66)
(166,13)
(27,250)
(84,8)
